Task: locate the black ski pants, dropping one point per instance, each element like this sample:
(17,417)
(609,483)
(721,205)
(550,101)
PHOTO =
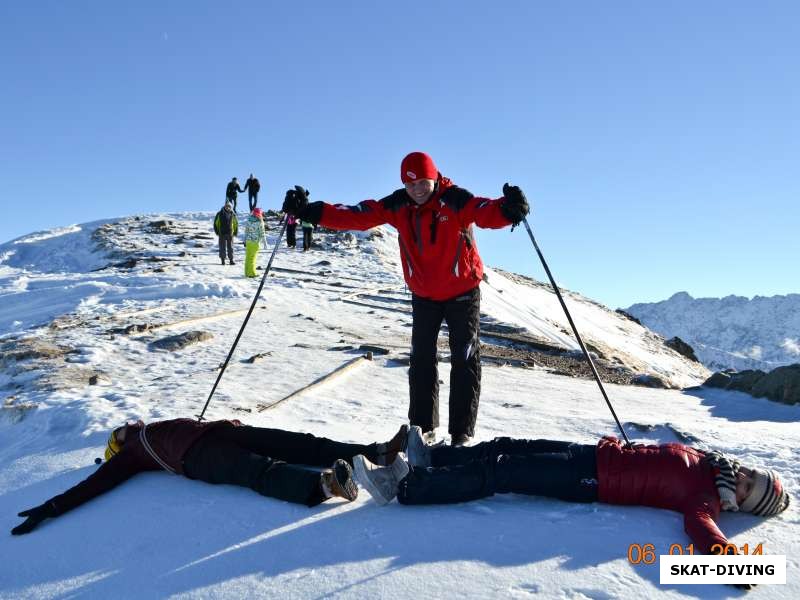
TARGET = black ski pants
(291,238)
(226,243)
(462,315)
(274,463)
(307,232)
(562,470)
(252,199)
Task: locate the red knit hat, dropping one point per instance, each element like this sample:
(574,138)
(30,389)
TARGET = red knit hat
(418,165)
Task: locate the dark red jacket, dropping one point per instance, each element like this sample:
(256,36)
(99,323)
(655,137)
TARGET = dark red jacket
(437,247)
(168,441)
(671,476)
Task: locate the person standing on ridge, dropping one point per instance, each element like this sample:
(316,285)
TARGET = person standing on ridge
(308,230)
(291,231)
(443,270)
(232,192)
(226,226)
(252,186)
(254,237)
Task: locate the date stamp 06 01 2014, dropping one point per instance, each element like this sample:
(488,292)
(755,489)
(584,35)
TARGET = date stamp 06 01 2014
(728,563)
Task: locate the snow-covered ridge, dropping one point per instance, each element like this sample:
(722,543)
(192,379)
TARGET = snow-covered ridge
(734,331)
(68,264)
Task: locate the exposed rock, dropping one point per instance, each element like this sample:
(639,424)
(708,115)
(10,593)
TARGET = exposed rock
(745,380)
(30,348)
(15,411)
(627,315)
(257,357)
(681,347)
(374,349)
(720,379)
(160,226)
(180,341)
(651,381)
(134,328)
(125,264)
(781,384)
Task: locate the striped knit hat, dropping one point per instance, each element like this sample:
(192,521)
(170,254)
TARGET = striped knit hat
(767,497)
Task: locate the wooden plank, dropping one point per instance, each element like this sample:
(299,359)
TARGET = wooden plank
(348,366)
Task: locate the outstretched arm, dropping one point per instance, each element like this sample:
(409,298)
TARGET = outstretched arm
(120,468)
(362,216)
(699,522)
(490,213)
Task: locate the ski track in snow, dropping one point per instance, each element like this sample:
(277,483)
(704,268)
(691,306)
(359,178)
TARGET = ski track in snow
(164,536)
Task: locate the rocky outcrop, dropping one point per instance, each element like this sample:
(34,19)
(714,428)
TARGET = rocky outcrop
(681,348)
(180,341)
(781,384)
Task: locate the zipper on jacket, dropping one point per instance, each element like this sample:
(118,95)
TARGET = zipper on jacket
(408,257)
(458,253)
(418,230)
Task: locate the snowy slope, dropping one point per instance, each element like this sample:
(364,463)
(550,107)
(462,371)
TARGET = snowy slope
(758,333)
(161,536)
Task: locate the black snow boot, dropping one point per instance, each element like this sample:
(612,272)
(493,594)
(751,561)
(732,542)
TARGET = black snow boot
(338,481)
(386,452)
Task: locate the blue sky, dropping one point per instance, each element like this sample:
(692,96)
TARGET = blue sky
(659,143)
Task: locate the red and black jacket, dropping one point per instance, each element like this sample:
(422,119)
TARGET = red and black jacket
(437,247)
(670,476)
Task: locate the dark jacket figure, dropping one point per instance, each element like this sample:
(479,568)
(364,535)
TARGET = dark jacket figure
(252,186)
(226,226)
(670,476)
(265,460)
(232,192)
(442,268)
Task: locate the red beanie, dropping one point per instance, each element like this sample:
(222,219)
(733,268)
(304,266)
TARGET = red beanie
(418,165)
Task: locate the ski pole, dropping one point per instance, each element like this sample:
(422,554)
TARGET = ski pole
(575,331)
(247,316)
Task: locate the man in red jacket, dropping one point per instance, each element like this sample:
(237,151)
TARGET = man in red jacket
(268,461)
(442,268)
(671,476)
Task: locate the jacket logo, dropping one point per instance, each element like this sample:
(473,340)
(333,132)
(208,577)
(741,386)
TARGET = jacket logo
(411,174)
(443,218)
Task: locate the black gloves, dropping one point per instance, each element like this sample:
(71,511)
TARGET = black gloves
(35,516)
(515,205)
(743,586)
(295,201)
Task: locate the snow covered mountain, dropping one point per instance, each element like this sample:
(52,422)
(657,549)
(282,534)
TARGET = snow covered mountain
(84,312)
(758,333)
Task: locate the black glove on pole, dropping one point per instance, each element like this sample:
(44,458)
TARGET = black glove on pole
(247,316)
(515,204)
(35,516)
(575,331)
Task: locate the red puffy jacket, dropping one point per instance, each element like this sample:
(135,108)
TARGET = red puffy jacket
(437,248)
(671,476)
(167,441)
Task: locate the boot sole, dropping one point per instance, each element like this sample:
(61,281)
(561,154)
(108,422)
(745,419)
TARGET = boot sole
(344,477)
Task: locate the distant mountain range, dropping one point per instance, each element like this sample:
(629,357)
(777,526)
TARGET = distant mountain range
(730,332)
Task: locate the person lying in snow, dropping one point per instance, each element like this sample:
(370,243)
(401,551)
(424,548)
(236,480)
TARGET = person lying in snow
(266,460)
(442,268)
(670,476)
